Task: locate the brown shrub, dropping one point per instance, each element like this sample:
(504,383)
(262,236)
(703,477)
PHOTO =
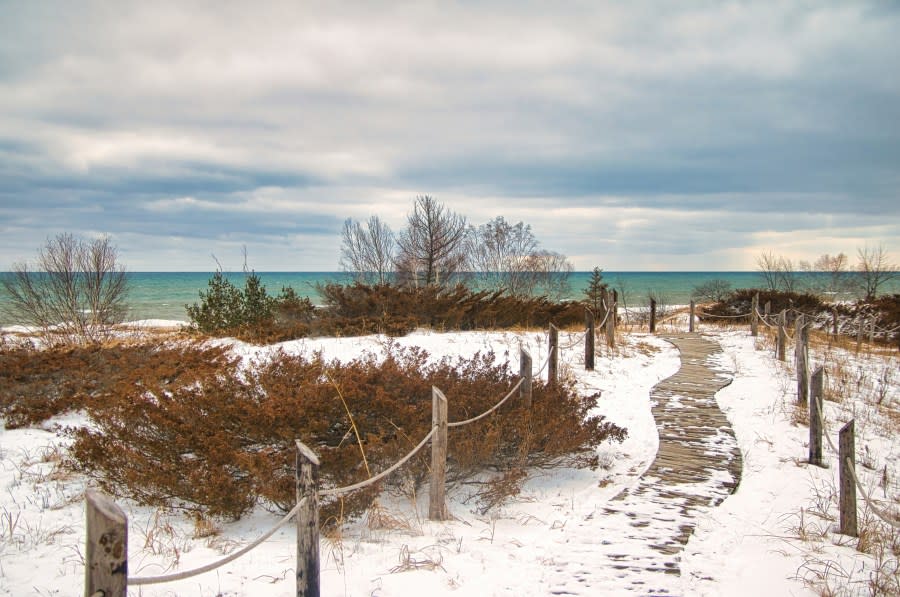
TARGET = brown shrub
(224,440)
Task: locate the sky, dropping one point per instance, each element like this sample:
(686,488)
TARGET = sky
(630,136)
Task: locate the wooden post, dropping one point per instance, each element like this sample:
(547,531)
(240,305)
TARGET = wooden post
(801,356)
(782,337)
(754,315)
(816,386)
(437,504)
(859,332)
(872,332)
(768,309)
(847,455)
(589,340)
(611,327)
(652,315)
(553,358)
(525,374)
(106,549)
(307,477)
(691,320)
(834,322)
(615,300)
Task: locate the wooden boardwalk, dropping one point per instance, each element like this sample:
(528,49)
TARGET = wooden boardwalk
(697,466)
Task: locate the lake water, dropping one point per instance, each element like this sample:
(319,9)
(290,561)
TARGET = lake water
(163,295)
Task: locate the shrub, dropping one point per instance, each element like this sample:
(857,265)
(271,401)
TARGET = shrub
(739,302)
(225,308)
(223,441)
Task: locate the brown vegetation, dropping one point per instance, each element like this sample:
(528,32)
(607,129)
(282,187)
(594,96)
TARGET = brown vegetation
(188,426)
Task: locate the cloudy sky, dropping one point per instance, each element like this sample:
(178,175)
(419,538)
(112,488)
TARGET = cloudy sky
(633,136)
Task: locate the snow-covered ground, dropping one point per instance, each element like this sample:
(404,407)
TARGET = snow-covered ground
(768,538)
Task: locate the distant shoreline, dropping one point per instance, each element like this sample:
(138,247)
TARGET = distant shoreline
(163,295)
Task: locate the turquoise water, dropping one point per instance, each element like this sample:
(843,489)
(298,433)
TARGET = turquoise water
(163,295)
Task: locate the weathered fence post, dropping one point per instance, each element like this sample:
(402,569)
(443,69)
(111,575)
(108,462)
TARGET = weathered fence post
(525,374)
(611,327)
(847,455)
(816,386)
(859,332)
(437,505)
(652,315)
(615,300)
(106,549)
(307,522)
(801,357)
(691,320)
(553,357)
(589,340)
(781,340)
(768,309)
(754,315)
(872,332)
(834,322)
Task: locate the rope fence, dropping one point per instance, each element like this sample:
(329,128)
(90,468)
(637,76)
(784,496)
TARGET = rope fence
(106,519)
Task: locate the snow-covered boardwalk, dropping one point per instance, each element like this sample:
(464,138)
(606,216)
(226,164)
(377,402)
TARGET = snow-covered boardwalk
(697,466)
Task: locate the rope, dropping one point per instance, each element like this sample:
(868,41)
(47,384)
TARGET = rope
(153,580)
(762,318)
(490,410)
(575,342)
(381,475)
(852,467)
(878,511)
(704,314)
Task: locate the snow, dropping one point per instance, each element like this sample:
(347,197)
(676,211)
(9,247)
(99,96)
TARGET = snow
(749,545)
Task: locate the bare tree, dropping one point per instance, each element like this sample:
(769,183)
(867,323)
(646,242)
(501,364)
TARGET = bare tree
(368,252)
(777,272)
(875,269)
(829,274)
(76,293)
(502,254)
(432,248)
(714,290)
(551,274)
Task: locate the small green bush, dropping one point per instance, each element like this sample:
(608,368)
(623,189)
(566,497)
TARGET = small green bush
(225,308)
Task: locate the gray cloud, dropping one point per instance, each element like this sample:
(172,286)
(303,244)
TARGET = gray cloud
(196,127)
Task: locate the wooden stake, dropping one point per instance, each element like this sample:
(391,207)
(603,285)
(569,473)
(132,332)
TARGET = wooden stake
(781,341)
(847,455)
(652,315)
(816,386)
(307,478)
(691,320)
(801,355)
(525,374)
(611,328)
(589,340)
(553,362)
(437,504)
(106,550)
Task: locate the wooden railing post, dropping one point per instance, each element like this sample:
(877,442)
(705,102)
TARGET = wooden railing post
(816,386)
(834,322)
(859,332)
(754,315)
(652,315)
(768,309)
(781,340)
(801,357)
(691,320)
(437,505)
(615,300)
(589,340)
(525,374)
(106,549)
(611,327)
(307,477)
(553,357)
(847,456)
